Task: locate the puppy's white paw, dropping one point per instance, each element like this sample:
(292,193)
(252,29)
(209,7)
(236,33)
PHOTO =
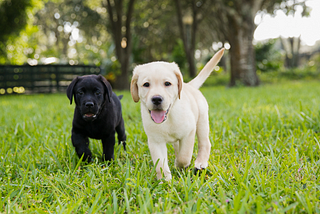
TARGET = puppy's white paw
(182,163)
(168,177)
(201,164)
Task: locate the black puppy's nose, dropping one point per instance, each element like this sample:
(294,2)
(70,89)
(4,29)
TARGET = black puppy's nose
(157,100)
(89,104)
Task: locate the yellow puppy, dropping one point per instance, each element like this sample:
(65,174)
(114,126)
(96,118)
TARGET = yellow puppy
(173,112)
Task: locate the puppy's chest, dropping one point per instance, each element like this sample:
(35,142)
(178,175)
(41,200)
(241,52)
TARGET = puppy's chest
(96,131)
(171,137)
(167,133)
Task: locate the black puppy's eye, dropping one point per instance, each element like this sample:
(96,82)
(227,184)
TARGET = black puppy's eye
(167,83)
(146,84)
(80,93)
(98,93)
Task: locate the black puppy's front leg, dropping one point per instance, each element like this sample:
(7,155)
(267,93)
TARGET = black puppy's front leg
(108,147)
(121,133)
(81,145)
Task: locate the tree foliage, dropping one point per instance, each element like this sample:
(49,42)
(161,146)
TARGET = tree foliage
(67,28)
(234,21)
(118,34)
(15,16)
(267,57)
(154,25)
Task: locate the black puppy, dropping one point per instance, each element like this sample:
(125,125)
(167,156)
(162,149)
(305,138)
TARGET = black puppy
(97,115)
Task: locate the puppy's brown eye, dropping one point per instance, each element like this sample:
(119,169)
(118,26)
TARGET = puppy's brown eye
(80,93)
(167,83)
(98,93)
(146,84)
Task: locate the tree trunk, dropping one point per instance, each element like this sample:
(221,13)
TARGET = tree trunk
(123,41)
(122,80)
(243,68)
(188,35)
(292,49)
(191,63)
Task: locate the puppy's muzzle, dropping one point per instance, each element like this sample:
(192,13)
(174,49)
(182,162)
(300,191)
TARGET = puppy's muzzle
(89,109)
(158,114)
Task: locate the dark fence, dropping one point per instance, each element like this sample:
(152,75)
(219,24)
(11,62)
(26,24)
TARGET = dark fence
(40,78)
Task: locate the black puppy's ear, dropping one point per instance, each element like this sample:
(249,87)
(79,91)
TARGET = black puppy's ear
(107,86)
(70,89)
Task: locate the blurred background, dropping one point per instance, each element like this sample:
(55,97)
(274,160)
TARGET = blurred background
(265,40)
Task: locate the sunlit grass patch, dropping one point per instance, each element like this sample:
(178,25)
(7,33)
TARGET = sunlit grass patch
(264,157)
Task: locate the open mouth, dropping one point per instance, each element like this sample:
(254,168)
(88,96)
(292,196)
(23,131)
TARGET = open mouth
(159,116)
(89,116)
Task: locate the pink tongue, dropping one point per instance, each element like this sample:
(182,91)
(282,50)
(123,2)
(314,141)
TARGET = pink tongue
(158,116)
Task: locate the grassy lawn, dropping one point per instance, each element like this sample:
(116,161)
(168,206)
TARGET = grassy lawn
(265,157)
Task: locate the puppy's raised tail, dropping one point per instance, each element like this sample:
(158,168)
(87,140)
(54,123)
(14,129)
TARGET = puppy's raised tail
(206,71)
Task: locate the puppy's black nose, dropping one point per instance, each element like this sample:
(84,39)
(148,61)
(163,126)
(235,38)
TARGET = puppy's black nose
(157,100)
(89,104)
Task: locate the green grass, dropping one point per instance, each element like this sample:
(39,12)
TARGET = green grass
(264,158)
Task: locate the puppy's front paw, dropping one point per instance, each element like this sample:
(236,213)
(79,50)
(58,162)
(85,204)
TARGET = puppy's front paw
(87,158)
(182,163)
(168,177)
(200,164)
(85,154)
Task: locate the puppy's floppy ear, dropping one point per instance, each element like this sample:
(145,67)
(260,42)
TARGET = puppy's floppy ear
(107,85)
(70,89)
(134,87)
(178,74)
